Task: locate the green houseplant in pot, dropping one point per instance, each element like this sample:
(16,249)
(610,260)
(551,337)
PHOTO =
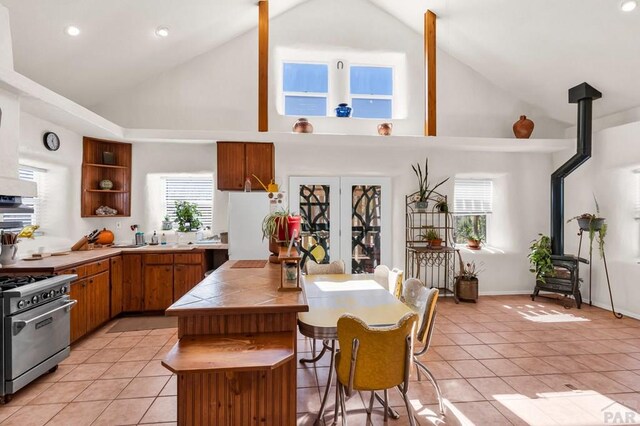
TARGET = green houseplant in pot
(467,281)
(540,258)
(424,191)
(432,237)
(279,227)
(594,224)
(188,220)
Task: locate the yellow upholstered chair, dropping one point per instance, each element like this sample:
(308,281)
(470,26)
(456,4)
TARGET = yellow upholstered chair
(395,282)
(373,358)
(424,335)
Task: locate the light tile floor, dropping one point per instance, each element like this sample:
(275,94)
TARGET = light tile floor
(502,361)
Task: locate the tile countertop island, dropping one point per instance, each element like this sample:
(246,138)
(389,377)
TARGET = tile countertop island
(236,354)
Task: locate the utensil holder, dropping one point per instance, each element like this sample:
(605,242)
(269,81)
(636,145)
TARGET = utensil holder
(8,254)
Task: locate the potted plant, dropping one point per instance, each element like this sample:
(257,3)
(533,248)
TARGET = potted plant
(474,241)
(167,224)
(540,258)
(424,192)
(593,223)
(467,281)
(188,220)
(432,237)
(278,227)
(441,205)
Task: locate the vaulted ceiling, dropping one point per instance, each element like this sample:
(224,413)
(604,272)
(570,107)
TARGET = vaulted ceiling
(535,50)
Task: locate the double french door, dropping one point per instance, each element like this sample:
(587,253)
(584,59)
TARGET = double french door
(346,218)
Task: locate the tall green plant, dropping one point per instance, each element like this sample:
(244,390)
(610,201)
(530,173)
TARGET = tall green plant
(540,258)
(424,192)
(187,216)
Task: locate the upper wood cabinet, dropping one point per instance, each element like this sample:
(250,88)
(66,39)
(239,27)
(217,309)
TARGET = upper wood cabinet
(106,160)
(237,160)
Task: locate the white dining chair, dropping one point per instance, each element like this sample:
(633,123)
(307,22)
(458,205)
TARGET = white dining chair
(381,275)
(414,293)
(395,282)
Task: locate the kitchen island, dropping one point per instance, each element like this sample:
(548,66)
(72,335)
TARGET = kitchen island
(236,354)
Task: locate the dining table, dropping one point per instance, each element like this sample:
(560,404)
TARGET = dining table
(329,296)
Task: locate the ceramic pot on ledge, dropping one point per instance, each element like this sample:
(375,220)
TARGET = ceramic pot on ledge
(302,126)
(523,128)
(384,129)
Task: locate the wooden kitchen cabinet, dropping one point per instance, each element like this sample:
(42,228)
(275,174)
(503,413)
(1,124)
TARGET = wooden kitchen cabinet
(79,311)
(185,277)
(116,285)
(237,160)
(158,287)
(132,284)
(97,292)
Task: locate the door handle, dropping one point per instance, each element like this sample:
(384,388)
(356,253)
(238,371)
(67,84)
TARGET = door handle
(19,325)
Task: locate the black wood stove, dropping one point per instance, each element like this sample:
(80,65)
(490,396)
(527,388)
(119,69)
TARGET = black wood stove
(566,278)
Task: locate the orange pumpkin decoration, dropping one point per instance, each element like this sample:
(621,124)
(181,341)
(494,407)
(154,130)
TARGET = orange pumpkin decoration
(105,237)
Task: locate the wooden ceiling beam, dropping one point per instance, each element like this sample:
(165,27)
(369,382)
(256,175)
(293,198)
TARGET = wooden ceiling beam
(430,71)
(263,66)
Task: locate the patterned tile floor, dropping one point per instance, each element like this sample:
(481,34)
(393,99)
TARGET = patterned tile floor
(502,361)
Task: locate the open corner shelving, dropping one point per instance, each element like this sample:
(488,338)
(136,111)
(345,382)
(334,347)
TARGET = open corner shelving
(94,170)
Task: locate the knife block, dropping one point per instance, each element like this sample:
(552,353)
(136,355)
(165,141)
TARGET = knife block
(81,245)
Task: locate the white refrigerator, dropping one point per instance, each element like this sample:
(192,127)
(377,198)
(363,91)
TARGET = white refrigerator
(246,212)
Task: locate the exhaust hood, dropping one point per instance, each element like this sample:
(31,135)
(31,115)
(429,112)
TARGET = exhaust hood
(17,187)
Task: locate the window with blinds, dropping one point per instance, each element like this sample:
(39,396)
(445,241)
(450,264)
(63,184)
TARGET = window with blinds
(31,175)
(473,203)
(197,189)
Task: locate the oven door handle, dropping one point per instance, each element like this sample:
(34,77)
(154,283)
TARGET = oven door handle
(19,325)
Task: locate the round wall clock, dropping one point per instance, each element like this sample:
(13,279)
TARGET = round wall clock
(51,141)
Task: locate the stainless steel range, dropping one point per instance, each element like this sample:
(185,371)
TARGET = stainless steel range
(36,325)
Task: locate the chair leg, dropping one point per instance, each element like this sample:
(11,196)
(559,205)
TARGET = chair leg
(370,409)
(386,405)
(433,381)
(412,421)
(418,372)
(337,405)
(343,406)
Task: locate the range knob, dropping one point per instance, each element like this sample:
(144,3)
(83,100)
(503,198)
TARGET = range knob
(21,304)
(35,299)
(44,295)
(63,289)
(52,293)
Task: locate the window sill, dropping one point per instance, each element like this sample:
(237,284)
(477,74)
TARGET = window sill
(484,249)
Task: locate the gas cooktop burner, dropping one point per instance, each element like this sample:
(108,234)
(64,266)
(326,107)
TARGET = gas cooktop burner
(8,283)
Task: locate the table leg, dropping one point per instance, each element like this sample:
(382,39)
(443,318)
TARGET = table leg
(329,382)
(315,358)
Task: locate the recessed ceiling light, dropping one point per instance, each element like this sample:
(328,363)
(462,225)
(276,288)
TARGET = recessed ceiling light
(628,5)
(72,31)
(162,32)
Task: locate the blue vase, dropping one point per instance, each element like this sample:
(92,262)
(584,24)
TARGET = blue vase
(343,110)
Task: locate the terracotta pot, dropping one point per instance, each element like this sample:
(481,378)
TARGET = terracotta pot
(523,127)
(105,237)
(274,247)
(436,242)
(384,129)
(302,126)
(474,244)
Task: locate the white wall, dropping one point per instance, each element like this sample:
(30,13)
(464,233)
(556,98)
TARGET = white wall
(60,220)
(9,132)
(6,45)
(609,174)
(218,90)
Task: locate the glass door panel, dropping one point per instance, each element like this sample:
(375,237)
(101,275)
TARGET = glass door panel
(317,201)
(366,211)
